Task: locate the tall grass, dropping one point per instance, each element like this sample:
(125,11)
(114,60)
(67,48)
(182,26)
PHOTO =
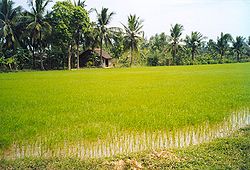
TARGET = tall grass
(87,105)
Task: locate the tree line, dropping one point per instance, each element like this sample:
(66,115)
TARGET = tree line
(38,39)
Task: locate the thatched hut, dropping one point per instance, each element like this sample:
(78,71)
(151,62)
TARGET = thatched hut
(92,58)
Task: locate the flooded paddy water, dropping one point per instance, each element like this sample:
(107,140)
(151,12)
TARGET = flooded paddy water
(125,143)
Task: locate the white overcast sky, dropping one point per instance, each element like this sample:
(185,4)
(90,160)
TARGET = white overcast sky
(210,17)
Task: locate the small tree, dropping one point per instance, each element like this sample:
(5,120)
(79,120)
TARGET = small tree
(70,22)
(222,44)
(158,45)
(194,42)
(238,46)
(38,26)
(175,38)
(105,33)
(8,22)
(82,23)
(133,34)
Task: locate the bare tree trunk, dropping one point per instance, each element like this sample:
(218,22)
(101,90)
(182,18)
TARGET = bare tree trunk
(40,51)
(131,54)
(33,58)
(192,57)
(101,53)
(69,57)
(77,51)
(10,67)
(41,61)
(77,57)
(174,54)
(33,53)
(238,57)
(221,57)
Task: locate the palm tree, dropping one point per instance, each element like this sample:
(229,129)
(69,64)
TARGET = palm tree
(78,33)
(211,49)
(38,26)
(238,46)
(133,33)
(194,42)
(248,47)
(103,20)
(79,3)
(175,34)
(90,38)
(222,44)
(8,18)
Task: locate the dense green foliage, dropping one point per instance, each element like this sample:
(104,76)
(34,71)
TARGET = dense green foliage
(88,104)
(232,152)
(37,39)
(194,42)
(133,34)
(71,22)
(105,33)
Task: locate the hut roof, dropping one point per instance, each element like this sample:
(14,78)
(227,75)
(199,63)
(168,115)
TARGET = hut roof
(104,53)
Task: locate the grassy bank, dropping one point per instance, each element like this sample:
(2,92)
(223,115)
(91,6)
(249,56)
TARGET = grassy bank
(227,153)
(88,104)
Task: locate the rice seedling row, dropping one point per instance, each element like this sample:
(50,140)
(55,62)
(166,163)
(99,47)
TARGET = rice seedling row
(127,143)
(74,113)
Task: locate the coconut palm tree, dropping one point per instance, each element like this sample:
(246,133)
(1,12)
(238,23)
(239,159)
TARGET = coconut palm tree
(248,47)
(8,18)
(79,3)
(78,32)
(133,33)
(175,38)
(238,46)
(38,26)
(194,42)
(222,44)
(103,20)
(90,38)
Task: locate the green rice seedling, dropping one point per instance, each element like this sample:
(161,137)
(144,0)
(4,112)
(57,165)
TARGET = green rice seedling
(62,108)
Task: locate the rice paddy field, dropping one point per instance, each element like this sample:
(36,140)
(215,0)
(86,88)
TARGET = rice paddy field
(95,104)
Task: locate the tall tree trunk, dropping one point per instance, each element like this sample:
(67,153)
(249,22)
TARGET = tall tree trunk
(77,57)
(41,62)
(41,59)
(69,57)
(33,53)
(40,51)
(131,54)
(50,63)
(174,53)
(10,67)
(101,53)
(238,57)
(192,57)
(77,50)
(174,56)
(221,57)
(131,57)
(33,58)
